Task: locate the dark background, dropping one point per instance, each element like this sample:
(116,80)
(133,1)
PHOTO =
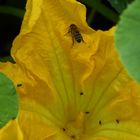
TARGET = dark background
(10,22)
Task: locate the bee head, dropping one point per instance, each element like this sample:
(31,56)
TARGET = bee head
(73,26)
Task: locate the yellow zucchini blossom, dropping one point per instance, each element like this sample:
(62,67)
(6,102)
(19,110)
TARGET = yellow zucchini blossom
(69,90)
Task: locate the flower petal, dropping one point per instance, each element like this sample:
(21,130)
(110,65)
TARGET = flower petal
(111,96)
(44,58)
(45,55)
(72,85)
(12,131)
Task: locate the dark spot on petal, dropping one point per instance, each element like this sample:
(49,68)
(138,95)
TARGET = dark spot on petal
(87,112)
(117,121)
(63,129)
(100,122)
(19,85)
(73,137)
(81,93)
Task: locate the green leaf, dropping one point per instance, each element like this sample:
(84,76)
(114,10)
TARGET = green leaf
(120,5)
(8,100)
(128,39)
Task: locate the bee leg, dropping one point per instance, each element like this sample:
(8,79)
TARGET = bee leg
(67,32)
(72,41)
(83,41)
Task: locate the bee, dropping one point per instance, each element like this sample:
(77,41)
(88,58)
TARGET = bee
(76,35)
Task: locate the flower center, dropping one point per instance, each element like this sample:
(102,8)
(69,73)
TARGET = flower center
(75,128)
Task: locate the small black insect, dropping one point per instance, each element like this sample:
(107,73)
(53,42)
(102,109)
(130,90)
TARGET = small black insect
(19,85)
(63,129)
(76,35)
(87,112)
(73,137)
(117,121)
(81,93)
(100,122)
(13,118)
